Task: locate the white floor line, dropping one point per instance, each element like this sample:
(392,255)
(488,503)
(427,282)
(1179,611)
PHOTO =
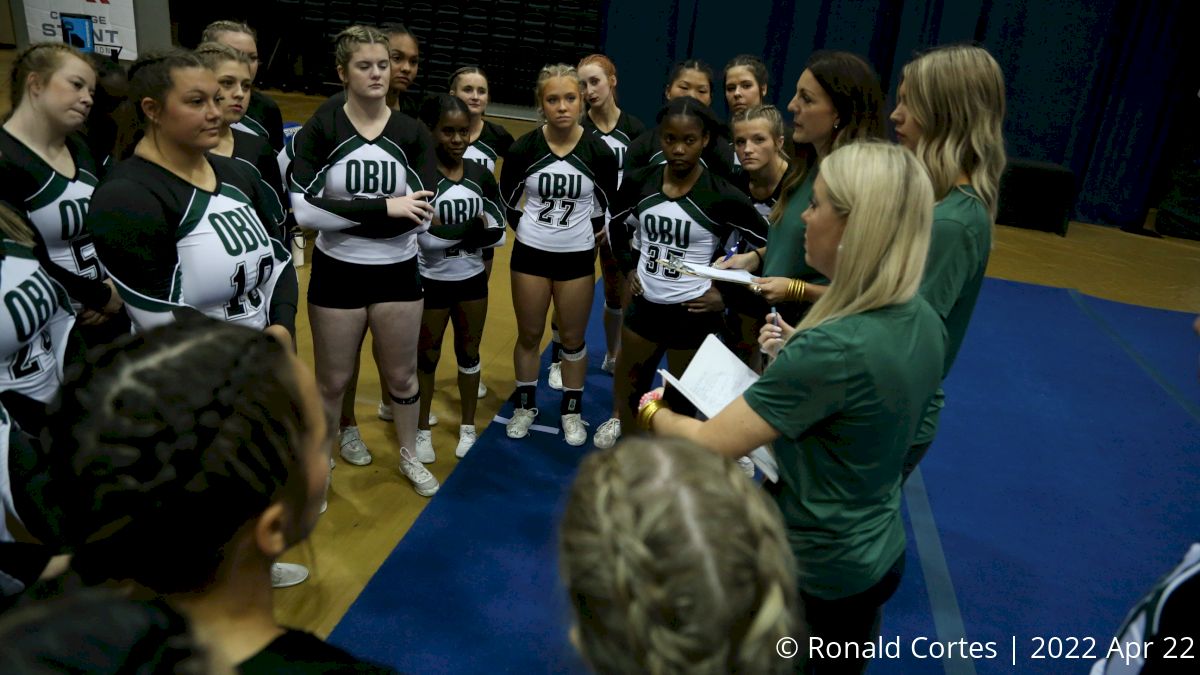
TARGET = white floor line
(535,427)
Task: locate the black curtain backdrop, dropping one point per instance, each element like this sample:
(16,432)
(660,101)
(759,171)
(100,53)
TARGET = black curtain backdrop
(1092,84)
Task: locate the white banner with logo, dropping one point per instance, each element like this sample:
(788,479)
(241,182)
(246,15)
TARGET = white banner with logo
(103,26)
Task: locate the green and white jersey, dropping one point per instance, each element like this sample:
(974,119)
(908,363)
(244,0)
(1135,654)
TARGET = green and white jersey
(56,205)
(170,245)
(340,183)
(619,139)
(37,319)
(493,144)
(467,209)
(565,197)
(690,229)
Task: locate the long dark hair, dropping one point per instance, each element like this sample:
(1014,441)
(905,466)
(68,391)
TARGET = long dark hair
(164,444)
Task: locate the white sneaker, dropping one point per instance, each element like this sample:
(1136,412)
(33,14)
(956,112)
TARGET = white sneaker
(416,473)
(482,390)
(522,419)
(425,451)
(610,364)
(746,465)
(353,450)
(285,575)
(574,429)
(555,378)
(385,413)
(607,434)
(466,438)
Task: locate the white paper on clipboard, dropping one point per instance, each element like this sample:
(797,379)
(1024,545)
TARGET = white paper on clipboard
(713,380)
(733,276)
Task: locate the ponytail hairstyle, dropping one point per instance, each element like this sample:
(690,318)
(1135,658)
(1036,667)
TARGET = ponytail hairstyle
(762,112)
(885,196)
(14,227)
(689,64)
(436,105)
(686,106)
(465,70)
(606,65)
(213,54)
(549,72)
(150,76)
(674,562)
(854,90)
(165,444)
(396,28)
(212,32)
(41,59)
(956,94)
(755,65)
(349,40)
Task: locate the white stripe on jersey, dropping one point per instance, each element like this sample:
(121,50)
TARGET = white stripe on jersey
(560,201)
(33,336)
(444,260)
(476,153)
(668,231)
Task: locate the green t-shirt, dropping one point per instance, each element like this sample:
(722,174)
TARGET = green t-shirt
(785,239)
(958,257)
(846,398)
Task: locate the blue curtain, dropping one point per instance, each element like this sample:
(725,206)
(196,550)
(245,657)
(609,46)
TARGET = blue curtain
(1092,84)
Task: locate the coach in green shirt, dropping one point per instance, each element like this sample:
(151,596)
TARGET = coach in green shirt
(842,401)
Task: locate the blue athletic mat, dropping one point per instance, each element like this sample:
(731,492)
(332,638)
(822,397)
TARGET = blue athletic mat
(1062,484)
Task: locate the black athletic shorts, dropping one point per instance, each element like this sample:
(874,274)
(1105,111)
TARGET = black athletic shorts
(337,284)
(552,265)
(671,326)
(445,294)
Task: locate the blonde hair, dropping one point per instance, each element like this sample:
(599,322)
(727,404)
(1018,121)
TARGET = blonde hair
(675,562)
(14,227)
(349,40)
(43,59)
(550,72)
(212,31)
(213,54)
(956,95)
(762,112)
(886,197)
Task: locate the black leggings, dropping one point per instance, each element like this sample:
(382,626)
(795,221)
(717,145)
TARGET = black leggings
(852,619)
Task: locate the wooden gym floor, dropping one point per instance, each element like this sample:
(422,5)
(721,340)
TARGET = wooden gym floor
(370,508)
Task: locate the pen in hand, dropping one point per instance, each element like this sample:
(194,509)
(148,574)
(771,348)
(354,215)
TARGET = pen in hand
(729,253)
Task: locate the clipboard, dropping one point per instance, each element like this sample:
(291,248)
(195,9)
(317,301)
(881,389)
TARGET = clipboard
(743,277)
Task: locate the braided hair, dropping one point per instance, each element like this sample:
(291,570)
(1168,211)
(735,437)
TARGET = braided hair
(42,59)
(676,563)
(165,444)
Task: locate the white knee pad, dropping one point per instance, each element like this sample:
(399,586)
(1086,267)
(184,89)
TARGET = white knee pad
(578,355)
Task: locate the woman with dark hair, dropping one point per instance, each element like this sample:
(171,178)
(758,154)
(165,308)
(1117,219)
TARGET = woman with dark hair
(48,173)
(685,213)
(745,83)
(184,461)
(693,78)
(452,274)
(838,101)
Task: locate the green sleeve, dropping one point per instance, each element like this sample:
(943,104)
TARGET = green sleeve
(807,383)
(953,259)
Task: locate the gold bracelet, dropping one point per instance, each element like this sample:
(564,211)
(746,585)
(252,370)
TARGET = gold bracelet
(648,412)
(800,295)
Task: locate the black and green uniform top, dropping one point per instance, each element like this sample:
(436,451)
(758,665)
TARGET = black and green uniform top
(170,245)
(846,398)
(691,229)
(785,240)
(56,206)
(263,118)
(959,247)
(257,154)
(619,138)
(37,320)
(492,145)
(646,150)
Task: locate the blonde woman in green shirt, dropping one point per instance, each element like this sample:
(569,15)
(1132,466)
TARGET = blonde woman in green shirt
(842,400)
(949,112)
(838,101)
